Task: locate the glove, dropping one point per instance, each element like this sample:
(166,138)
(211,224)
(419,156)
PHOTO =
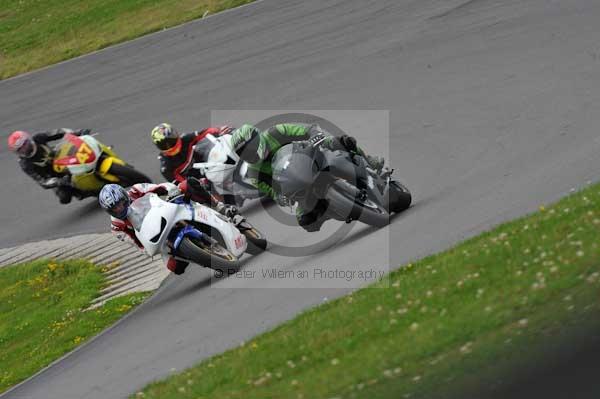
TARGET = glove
(348,142)
(85,132)
(227,210)
(282,200)
(230,211)
(198,185)
(172,190)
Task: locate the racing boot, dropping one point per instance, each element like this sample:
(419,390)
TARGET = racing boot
(177,266)
(313,220)
(64,194)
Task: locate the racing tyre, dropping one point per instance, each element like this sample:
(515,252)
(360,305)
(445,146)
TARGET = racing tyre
(213,256)
(400,197)
(128,175)
(257,243)
(343,198)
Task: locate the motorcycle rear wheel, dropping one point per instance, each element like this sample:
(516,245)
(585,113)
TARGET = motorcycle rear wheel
(127,175)
(213,256)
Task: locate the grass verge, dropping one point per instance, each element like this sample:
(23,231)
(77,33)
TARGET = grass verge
(42,314)
(37,33)
(450,321)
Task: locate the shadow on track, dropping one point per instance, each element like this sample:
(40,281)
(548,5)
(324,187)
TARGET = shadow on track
(85,209)
(206,282)
(179,294)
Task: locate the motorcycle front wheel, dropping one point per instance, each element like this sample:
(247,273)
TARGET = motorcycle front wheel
(257,242)
(211,255)
(400,197)
(344,201)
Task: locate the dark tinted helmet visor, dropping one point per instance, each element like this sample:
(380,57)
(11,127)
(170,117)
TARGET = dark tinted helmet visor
(166,143)
(27,149)
(119,210)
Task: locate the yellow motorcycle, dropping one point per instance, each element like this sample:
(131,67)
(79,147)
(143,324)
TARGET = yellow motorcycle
(92,164)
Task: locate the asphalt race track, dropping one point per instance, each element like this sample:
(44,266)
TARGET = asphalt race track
(493,110)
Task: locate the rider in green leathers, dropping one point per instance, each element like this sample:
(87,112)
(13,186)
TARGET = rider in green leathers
(258,149)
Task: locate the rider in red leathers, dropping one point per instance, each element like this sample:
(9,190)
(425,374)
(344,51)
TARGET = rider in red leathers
(178,152)
(116,200)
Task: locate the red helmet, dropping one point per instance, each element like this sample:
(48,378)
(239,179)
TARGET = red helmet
(22,143)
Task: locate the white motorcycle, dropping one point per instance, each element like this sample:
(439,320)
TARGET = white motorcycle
(193,232)
(227,173)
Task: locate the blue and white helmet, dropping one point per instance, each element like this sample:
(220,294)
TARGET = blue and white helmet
(114,199)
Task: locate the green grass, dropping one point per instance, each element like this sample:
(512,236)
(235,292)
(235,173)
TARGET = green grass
(36,33)
(450,321)
(42,314)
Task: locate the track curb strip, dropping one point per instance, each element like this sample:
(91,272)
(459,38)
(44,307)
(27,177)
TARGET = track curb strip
(126,269)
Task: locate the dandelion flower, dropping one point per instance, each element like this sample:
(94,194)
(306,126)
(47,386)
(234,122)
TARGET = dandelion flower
(523,323)
(466,348)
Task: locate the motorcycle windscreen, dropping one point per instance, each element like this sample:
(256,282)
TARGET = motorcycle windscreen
(138,210)
(219,153)
(221,175)
(72,150)
(294,169)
